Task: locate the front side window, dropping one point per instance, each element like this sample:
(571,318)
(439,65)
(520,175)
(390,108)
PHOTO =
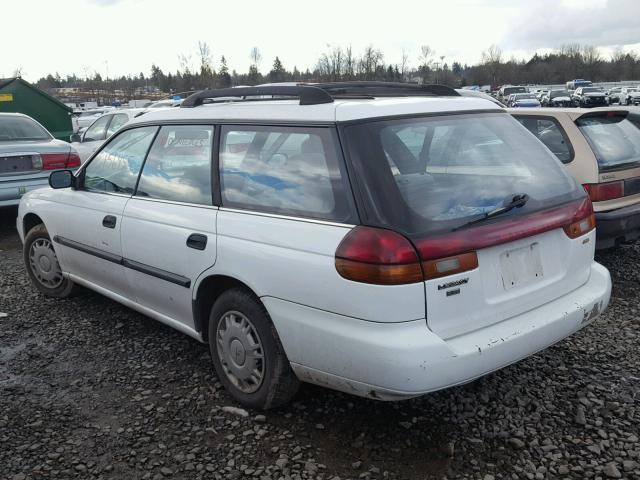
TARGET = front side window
(549,131)
(614,140)
(178,167)
(434,174)
(115,168)
(98,129)
(287,170)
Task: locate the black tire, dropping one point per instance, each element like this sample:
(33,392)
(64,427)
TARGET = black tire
(278,384)
(58,289)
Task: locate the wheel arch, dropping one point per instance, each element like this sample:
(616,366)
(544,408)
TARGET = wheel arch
(208,291)
(29,221)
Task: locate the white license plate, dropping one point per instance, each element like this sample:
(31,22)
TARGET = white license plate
(521,266)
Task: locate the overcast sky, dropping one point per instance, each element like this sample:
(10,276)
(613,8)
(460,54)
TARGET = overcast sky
(126,36)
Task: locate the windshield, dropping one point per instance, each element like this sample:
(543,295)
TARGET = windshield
(614,140)
(525,96)
(559,93)
(425,175)
(591,90)
(21,128)
(91,113)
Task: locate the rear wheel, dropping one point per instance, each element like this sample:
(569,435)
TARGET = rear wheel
(247,353)
(42,264)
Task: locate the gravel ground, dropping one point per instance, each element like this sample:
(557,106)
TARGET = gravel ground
(91,389)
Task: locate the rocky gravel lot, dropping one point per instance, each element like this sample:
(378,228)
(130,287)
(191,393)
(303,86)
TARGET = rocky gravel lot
(90,389)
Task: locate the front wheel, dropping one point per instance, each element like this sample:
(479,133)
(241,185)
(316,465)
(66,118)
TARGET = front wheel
(247,353)
(42,265)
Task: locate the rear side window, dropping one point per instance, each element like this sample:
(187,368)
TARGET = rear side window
(178,167)
(549,132)
(287,170)
(614,140)
(115,169)
(433,174)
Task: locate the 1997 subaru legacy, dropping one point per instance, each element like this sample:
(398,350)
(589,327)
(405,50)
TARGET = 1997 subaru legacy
(384,240)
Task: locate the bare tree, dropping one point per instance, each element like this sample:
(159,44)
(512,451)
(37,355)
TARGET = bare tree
(370,61)
(256,56)
(426,60)
(492,60)
(349,63)
(404,63)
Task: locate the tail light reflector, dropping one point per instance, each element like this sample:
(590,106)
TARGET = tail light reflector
(450,265)
(599,192)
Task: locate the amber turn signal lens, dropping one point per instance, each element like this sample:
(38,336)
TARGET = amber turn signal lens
(379,274)
(450,265)
(581,227)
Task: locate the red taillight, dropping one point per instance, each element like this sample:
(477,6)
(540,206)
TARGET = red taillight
(599,192)
(384,257)
(54,161)
(373,255)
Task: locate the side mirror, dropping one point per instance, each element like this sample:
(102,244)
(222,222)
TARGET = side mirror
(76,137)
(61,179)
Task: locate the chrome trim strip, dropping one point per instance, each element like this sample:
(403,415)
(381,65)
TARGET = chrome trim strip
(285,217)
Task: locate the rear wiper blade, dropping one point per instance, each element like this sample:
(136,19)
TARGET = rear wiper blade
(517,201)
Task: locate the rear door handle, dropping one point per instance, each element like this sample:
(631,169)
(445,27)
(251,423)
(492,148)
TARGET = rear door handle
(109,221)
(197,241)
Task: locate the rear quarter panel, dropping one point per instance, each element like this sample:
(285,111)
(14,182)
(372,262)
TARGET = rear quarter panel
(293,260)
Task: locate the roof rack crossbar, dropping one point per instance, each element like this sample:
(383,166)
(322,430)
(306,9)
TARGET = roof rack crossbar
(308,95)
(386,89)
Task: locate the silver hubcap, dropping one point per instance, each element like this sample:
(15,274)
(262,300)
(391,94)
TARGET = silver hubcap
(44,263)
(240,351)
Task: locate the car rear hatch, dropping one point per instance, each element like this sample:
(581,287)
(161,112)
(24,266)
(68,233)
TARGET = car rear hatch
(615,141)
(498,225)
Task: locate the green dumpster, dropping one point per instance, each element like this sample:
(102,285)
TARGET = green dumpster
(17,95)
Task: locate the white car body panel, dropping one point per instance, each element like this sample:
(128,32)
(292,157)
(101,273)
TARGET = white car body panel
(405,360)
(485,299)
(253,247)
(154,233)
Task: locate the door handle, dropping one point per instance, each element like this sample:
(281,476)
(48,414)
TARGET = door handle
(109,221)
(197,241)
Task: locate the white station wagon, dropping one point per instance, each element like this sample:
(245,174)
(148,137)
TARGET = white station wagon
(384,240)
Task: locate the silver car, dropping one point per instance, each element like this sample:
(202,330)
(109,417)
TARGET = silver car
(28,154)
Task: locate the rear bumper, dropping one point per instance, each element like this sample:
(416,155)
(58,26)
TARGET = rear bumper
(13,188)
(394,361)
(616,226)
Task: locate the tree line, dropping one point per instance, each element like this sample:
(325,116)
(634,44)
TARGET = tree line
(339,63)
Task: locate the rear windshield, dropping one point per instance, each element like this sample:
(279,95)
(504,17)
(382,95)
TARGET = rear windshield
(434,174)
(614,140)
(559,93)
(510,90)
(21,128)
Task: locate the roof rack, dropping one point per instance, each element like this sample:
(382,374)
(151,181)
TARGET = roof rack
(309,95)
(385,89)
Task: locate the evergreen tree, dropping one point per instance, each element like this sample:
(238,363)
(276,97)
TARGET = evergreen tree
(278,72)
